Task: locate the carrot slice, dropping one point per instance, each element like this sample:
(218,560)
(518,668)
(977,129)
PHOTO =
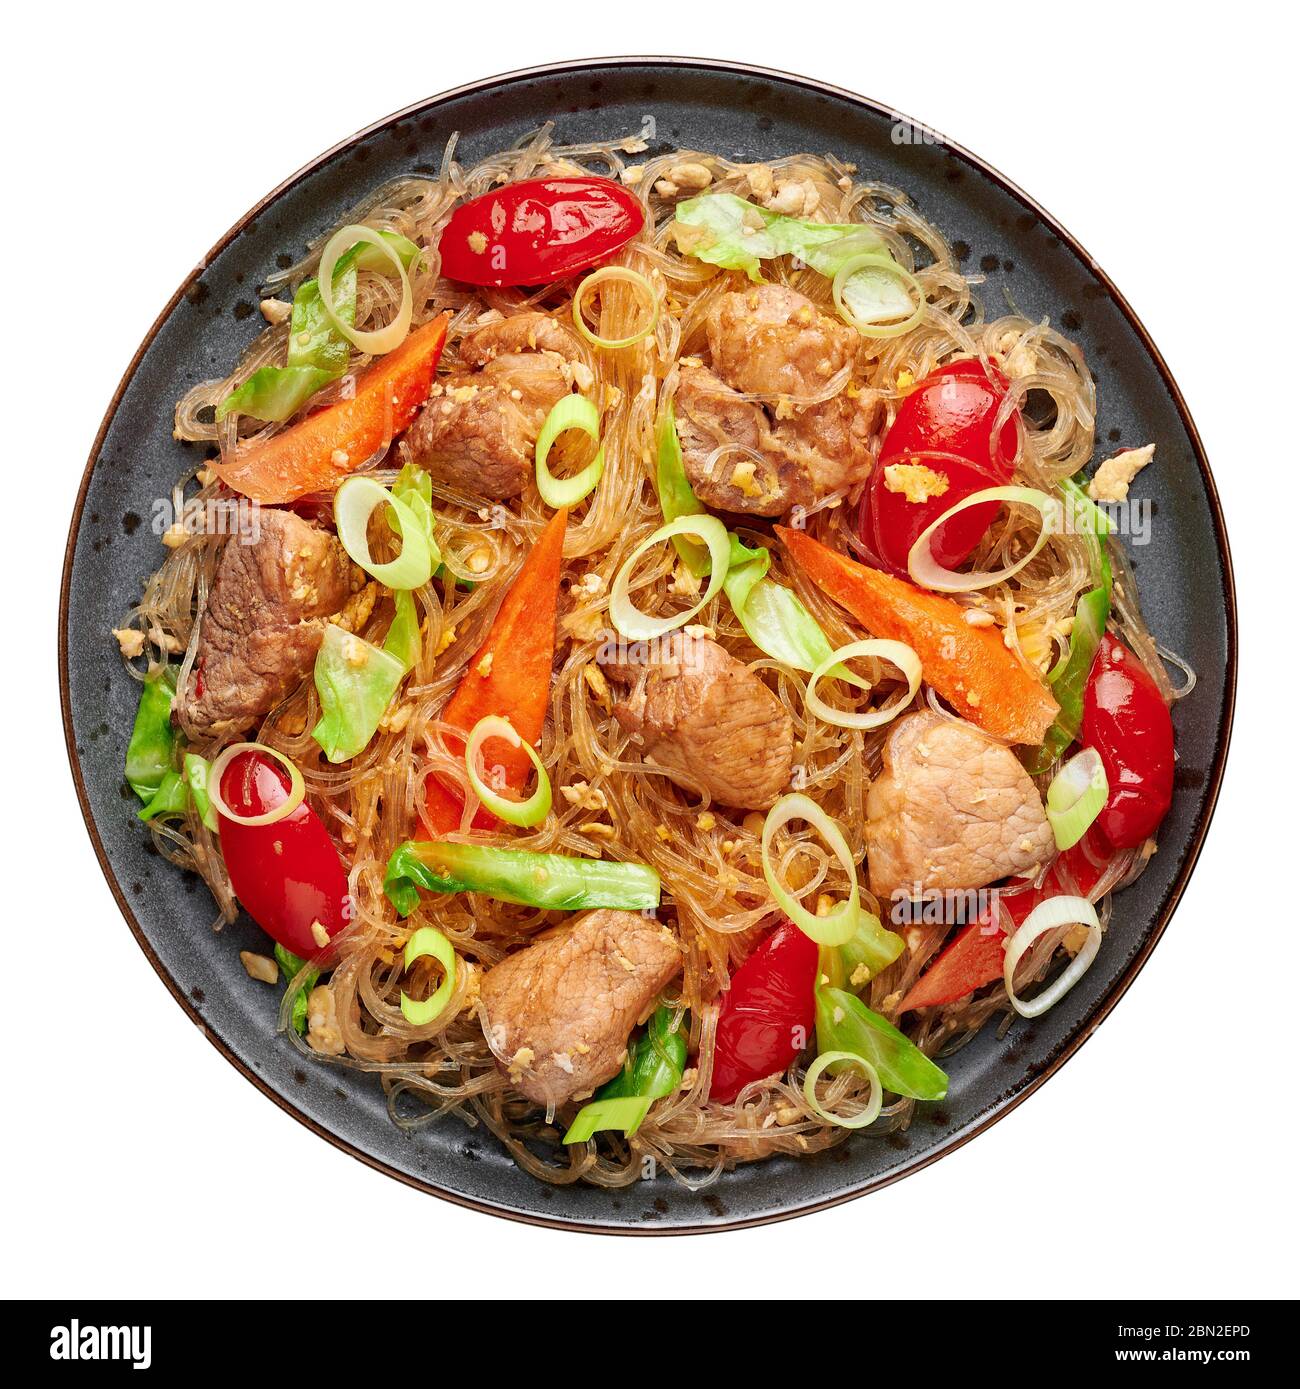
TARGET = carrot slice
(317,453)
(969,666)
(509,676)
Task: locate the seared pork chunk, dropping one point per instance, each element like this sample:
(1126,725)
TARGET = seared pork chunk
(953,809)
(710,415)
(263,624)
(773,342)
(479,428)
(705,714)
(557,1014)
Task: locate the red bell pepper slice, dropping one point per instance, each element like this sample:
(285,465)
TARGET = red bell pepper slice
(1126,719)
(767,1014)
(509,676)
(538,231)
(287,875)
(975,955)
(946,424)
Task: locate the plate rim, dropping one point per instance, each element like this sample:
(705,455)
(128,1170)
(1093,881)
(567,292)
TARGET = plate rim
(1215,776)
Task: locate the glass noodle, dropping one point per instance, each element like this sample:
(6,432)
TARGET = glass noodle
(708,857)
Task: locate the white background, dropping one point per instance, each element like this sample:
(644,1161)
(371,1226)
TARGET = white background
(1160,1161)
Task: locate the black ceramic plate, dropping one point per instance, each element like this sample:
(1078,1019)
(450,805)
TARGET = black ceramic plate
(746,114)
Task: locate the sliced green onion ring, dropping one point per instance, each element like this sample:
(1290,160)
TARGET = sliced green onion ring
(1076,796)
(530,812)
(354,504)
(428,940)
(896,653)
(297,788)
(1056,911)
(628,619)
(569,412)
(623,1113)
(604,276)
(875,1099)
(926,571)
(841,924)
(377,340)
(887,264)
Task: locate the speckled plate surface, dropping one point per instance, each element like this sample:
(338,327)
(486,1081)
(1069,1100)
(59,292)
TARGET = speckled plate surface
(747,114)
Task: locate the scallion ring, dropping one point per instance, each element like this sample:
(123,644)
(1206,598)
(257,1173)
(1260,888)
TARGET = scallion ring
(377,340)
(605,276)
(429,941)
(896,653)
(629,621)
(885,264)
(875,1099)
(1056,911)
(354,504)
(1076,796)
(569,412)
(840,925)
(297,788)
(524,813)
(926,571)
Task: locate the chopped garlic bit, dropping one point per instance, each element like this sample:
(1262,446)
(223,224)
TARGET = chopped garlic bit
(760,180)
(521,1061)
(323,1032)
(977,617)
(794,198)
(275,310)
(261,967)
(742,478)
(584,796)
(691,176)
(915,481)
(597,684)
(131,640)
(1075,939)
(1115,475)
(396,719)
(683,583)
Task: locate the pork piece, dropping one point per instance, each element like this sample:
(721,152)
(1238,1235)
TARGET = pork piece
(700,711)
(773,342)
(953,809)
(709,415)
(264,621)
(557,1014)
(478,430)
